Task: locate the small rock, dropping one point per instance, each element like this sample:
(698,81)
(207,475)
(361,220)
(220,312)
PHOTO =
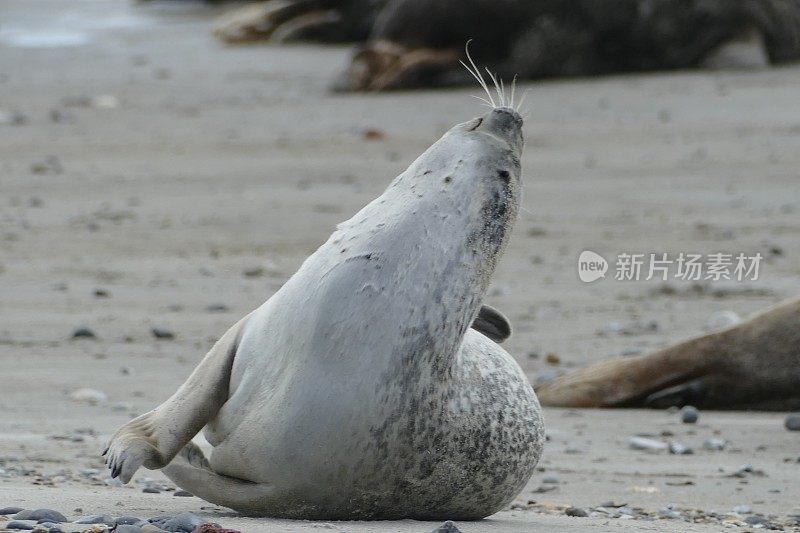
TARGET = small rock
(689,414)
(742,509)
(184,522)
(183,493)
(160,333)
(576,511)
(373,134)
(666,512)
(101,293)
(128,528)
(216,308)
(552,480)
(83,333)
(447,527)
(214,528)
(552,359)
(10,510)
(676,448)
(151,490)
(14,118)
(90,396)
(96,519)
(715,444)
(648,445)
(17,524)
(150,528)
(128,521)
(255,272)
(757,521)
(792,422)
(41,514)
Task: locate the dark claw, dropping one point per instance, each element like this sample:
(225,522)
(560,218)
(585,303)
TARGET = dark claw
(115,471)
(105,451)
(691,393)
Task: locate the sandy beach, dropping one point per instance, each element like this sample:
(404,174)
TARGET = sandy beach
(152,178)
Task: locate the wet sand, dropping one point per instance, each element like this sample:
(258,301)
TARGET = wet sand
(186,181)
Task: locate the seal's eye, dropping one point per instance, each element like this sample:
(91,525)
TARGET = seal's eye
(503,175)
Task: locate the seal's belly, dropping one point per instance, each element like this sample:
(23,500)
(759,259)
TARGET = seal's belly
(468,444)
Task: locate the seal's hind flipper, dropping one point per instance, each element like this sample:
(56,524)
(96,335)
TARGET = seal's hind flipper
(492,323)
(190,470)
(153,439)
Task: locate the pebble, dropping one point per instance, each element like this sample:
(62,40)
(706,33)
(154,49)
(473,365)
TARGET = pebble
(127,528)
(649,445)
(669,513)
(150,528)
(676,448)
(10,510)
(91,396)
(151,490)
(41,514)
(742,509)
(576,511)
(161,333)
(96,519)
(715,444)
(447,527)
(184,522)
(689,414)
(792,422)
(17,524)
(128,521)
(550,480)
(213,528)
(184,493)
(756,521)
(217,308)
(83,333)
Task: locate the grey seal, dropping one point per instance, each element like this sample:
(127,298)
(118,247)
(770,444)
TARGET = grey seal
(754,364)
(359,389)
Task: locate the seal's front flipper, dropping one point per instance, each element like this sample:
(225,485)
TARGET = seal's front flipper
(691,393)
(191,471)
(153,439)
(673,374)
(492,323)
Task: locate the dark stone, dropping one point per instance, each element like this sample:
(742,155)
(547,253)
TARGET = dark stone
(689,415)
(151,490)
(183,493)
(447,527)
(48,515)
(184,522)
(10,510)
(160,333)
(792,422)
(16,524)
(128,521)
(83,333)
(576,511)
